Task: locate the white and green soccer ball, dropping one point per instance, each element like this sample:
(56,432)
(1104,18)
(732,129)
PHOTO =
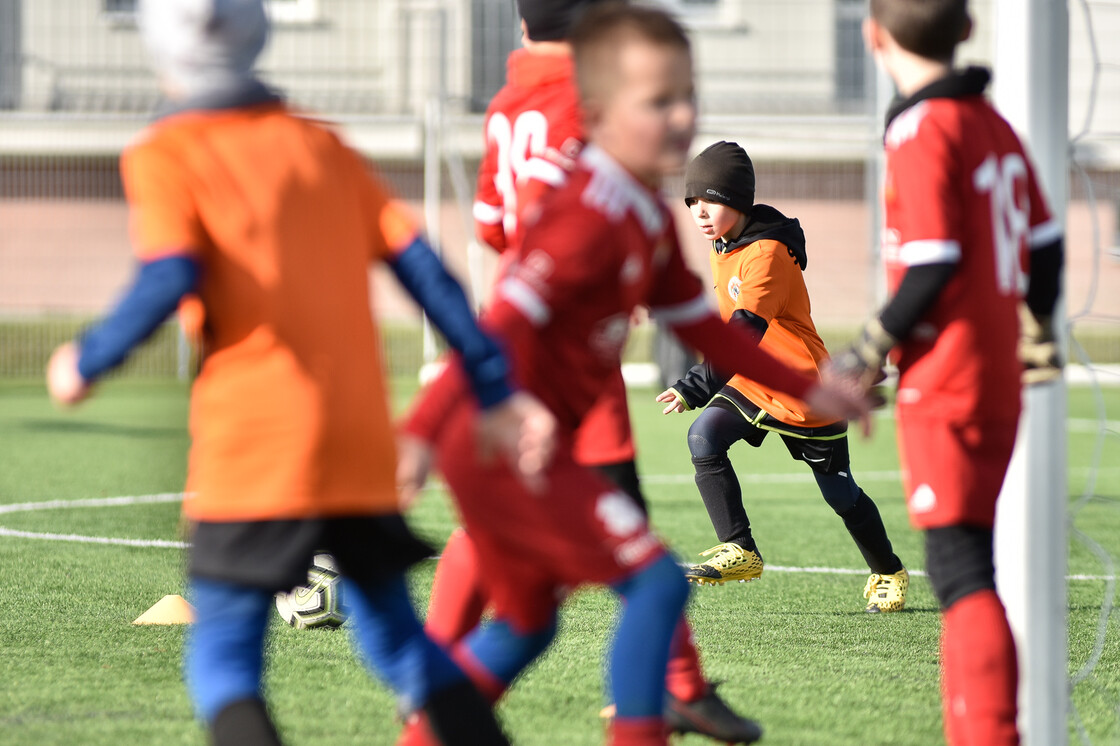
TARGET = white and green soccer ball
(318,603)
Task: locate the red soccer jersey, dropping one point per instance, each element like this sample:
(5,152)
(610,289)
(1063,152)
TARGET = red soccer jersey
(599,246)
(534,130)
(535,114)
(959,188)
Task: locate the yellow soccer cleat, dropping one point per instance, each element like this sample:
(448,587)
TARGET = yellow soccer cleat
(886,592)
(730,562)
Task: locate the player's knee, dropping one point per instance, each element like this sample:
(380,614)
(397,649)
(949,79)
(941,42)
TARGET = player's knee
(700,442)
(959,562)
(841,493)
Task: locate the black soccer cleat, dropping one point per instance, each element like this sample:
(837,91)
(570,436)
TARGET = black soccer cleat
(709,716)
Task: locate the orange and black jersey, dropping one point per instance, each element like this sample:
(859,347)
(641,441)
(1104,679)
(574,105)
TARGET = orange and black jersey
(758,282)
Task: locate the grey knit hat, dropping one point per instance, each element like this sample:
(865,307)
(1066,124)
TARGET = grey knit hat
(200,46)
(722,173)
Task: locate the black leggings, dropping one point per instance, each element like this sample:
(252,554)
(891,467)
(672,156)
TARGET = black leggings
(721,425)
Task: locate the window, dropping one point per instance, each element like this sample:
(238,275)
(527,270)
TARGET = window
(851,59)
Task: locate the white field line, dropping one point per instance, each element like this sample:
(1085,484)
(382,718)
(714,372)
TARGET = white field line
(158,543)
(96,502)
(93,502)
(167,497)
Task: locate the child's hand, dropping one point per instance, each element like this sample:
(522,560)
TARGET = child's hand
(64,382)
(670,397)
(523,431)
(841,398)
(414,462)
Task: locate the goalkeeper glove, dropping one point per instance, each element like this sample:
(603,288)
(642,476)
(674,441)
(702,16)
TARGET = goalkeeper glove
(1038,349)
(863,360)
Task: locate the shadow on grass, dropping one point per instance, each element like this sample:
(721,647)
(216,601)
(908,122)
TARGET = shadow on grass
(78,427)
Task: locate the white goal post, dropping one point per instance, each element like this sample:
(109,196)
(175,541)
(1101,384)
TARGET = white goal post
(1031,89)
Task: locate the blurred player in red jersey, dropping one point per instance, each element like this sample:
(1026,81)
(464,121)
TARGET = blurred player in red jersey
(966,232)
(273,222)
(534,131)
(592,250)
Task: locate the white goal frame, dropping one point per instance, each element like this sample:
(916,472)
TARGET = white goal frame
(1031,89)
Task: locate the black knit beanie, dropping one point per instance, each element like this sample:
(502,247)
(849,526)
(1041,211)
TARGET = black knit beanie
(551,20)
(722,173)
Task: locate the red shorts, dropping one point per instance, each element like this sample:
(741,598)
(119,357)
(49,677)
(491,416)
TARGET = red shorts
(604,436)
(953,472)
(534,547)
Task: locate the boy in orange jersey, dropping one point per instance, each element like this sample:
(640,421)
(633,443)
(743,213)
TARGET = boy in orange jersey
(758,257)
(593,249)
(534,130)
(273,223)
(974,260)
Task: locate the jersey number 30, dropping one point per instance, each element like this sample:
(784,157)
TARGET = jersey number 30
(516,144)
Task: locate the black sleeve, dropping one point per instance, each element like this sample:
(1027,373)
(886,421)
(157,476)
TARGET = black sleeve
(751,321)
(916,293)
(699,385)
(702,381)
(1046,278)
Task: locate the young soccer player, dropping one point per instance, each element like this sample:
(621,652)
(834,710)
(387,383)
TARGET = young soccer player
(534,130)
(592,250)
(273,222)
(757,259)
(964,218)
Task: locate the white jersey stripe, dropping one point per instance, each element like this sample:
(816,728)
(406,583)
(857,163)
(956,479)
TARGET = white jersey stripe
(1045,234)
(929,251)
(486,213)
(526,300)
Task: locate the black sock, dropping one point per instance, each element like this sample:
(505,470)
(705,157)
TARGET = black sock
(866,527)
(723,499)
(460,714)
(243,723)
(624,475)
(746,542)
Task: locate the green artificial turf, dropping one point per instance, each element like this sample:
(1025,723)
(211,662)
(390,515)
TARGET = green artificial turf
(793,650)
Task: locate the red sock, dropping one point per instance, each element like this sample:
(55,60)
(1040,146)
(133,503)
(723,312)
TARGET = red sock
(457,599)
(417,732)
(637,732)
(683,679)
(981,673)
(951,725)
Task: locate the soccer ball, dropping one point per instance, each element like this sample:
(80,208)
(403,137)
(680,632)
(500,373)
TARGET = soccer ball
(319,602)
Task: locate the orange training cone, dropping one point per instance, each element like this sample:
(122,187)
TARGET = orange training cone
(171,609)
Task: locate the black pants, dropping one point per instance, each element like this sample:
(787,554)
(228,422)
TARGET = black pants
(825,450)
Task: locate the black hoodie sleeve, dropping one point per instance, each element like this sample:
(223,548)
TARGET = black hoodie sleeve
(702,381)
